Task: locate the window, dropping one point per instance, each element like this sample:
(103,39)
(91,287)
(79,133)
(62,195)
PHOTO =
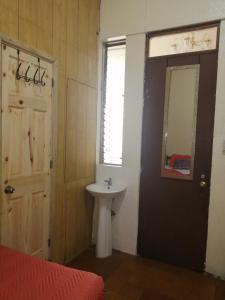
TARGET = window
(111,147)
(184,42)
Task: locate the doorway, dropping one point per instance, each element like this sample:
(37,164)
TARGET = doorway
(26,149)
(177,135)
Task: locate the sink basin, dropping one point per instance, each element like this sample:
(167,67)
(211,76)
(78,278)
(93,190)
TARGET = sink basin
(104,194)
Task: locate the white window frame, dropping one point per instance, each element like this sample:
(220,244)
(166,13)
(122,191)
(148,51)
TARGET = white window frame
(106,46)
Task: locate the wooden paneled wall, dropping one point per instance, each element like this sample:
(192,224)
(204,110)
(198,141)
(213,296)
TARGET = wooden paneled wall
(66,29)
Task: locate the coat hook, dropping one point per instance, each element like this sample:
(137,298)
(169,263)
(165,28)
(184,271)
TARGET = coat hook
(18,76)
(35,74)
(39,70)
(27,79)
(42,82)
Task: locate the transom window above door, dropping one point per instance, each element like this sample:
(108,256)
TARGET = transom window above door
(203,39)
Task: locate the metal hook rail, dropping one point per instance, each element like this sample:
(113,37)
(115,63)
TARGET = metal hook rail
(26,77)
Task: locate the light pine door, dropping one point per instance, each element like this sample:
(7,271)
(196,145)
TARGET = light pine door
(26,154)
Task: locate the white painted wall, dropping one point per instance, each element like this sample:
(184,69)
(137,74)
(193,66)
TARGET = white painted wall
(125,223)
(133,18)
(123,17)
(215,260)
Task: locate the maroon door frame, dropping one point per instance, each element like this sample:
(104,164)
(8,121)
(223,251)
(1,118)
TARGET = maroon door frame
(173,213)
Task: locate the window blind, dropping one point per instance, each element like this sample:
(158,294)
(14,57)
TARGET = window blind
(113,104)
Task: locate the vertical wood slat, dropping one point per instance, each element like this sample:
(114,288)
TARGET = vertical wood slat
(45,25)
(67,30)
(80,165)
(80,124)
(80,131)
(35,23)
(28,22)
(59,51)
(9,17)
(72,39)
(93,30)
(79,212)
(83,19)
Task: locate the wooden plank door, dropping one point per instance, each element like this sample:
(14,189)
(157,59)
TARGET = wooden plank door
(26,154)
(173,213)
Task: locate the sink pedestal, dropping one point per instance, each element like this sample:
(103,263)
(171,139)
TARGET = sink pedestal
(104,194)
(104,227)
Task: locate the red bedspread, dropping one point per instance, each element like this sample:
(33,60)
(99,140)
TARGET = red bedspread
(23,277)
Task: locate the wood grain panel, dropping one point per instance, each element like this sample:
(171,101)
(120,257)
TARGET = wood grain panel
(28,22)
(38,141)
(58,208)
(18,161)
(15,235)
(80,165)
(83,19)
(79,210)
(67,30)
(26,139)
(91,132)
(45,25)
(93,30)
(76,120)
(9,17)
(80,131)
(72,38)
(36,213)
(36,22)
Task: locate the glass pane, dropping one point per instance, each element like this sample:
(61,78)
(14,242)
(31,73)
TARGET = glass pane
(114,106)
(180,114)
(184,42)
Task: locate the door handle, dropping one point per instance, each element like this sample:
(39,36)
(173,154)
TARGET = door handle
(9,189)
(203,183)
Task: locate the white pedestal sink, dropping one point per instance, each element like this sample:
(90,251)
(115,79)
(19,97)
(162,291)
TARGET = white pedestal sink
(104,194)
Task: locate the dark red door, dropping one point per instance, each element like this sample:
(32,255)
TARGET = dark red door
(173,213)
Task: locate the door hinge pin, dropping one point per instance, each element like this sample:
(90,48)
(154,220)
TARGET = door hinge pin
(51,164)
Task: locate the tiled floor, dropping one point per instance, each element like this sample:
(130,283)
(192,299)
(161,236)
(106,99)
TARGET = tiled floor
(128,277)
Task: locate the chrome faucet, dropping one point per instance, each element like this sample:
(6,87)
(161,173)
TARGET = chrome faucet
(109,182)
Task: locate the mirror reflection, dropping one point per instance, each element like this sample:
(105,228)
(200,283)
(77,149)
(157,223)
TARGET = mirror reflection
(181,97)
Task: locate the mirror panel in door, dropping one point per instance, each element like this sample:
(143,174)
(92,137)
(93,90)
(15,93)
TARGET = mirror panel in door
(180,114)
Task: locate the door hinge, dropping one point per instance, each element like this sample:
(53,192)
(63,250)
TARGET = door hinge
(53,82)
(51,164)
(49,242)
